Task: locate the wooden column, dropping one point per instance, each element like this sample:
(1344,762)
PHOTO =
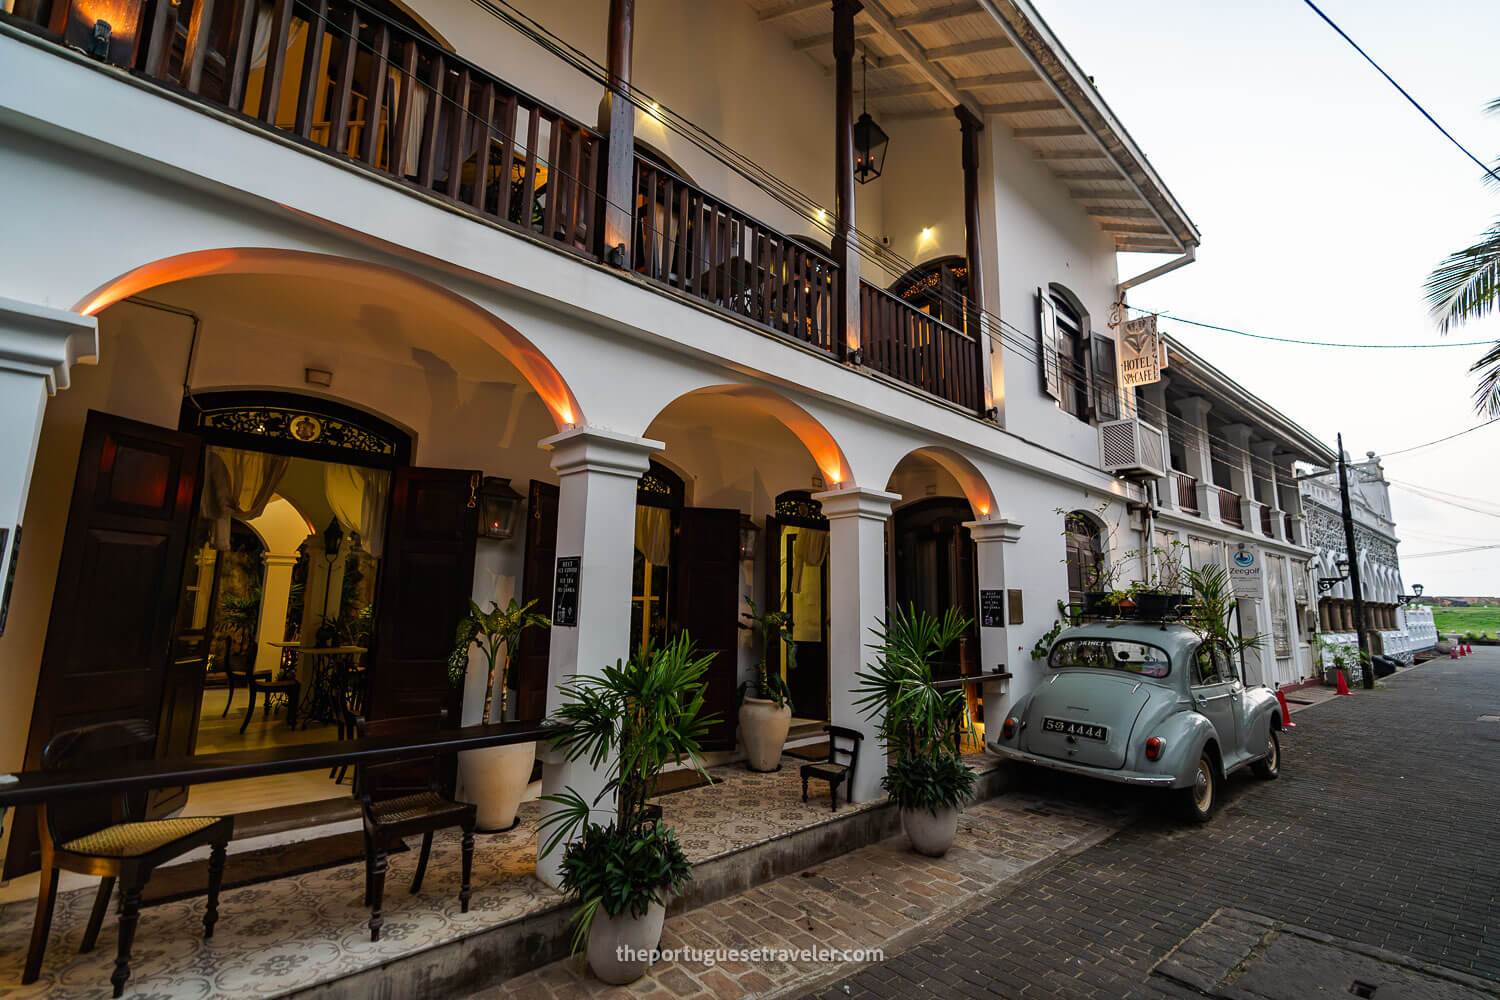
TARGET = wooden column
(969,128)
(617,122)
(845,242)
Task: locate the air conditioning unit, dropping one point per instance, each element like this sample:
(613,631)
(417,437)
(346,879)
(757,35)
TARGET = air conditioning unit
(1132,448)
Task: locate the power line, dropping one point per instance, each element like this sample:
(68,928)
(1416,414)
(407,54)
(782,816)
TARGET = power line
(1440,440)
(1391,80)
(1448,552)
(1311,343)
(1435,497)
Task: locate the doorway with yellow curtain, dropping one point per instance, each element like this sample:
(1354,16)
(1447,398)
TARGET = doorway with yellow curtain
(797,536)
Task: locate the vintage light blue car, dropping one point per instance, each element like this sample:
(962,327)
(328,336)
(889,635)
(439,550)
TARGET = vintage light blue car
(1145,704)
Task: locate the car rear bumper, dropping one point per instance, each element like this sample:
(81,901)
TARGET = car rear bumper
(1119,777)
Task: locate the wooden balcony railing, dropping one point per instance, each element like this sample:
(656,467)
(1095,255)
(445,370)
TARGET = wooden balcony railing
(1229,508)
(905,343)
(371,91)
(1265,520)
(689,240)
(1187,492)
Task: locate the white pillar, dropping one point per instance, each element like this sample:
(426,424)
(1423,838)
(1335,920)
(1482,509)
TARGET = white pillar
(1199,453)
(597,473)
(856,596)
(38,348)
(990,541)
(275,595)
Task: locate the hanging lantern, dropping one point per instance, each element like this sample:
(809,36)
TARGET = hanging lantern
(749,532)
(870,139)
(498,504)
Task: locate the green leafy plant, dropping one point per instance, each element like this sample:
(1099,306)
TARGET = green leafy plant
(918,722)
(238,617)
(1043,645)
(491,631)
(634,718)
(774,627)
(1167,573)
(930,783)
(1213,602)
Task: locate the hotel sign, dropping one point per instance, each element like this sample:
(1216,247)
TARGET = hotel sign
(1140,353)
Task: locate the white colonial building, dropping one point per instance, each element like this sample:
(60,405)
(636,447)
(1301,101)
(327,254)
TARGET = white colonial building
(293,292)
(1396,627)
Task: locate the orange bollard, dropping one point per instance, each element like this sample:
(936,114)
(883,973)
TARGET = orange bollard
(1286,712)
(1343,687)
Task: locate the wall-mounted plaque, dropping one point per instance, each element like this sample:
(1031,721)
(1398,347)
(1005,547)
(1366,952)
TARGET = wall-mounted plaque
(992,609)
(565,591)
(1016,615)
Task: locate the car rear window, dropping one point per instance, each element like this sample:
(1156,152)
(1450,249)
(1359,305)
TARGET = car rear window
(1111,654)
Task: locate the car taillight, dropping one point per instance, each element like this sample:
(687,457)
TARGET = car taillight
(1154,747)
(1009,728)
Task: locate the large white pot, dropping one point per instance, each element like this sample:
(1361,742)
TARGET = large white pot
(931,834)
(610,937)
(763,729)
(494,779)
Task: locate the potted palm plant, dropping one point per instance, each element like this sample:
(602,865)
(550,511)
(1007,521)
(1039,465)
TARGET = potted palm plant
(766,719)
(633,720)
(1212,603)
(494,778)
(919,725)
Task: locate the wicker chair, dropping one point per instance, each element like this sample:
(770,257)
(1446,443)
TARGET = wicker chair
(98,837)
(838,769)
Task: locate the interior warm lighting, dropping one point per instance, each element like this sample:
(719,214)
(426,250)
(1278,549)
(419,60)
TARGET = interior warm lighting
(822,215)
(105,29)
(926,233)
(533,365)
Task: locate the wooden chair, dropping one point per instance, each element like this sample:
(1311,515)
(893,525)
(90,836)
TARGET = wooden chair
(834,770)
(98,837)
(351,707)
(240,677)
(401,799)
(263,684)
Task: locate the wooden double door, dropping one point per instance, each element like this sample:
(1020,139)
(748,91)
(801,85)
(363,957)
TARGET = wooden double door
(109,650)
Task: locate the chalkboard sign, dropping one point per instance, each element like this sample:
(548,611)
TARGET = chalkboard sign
(992,608)
(565,591)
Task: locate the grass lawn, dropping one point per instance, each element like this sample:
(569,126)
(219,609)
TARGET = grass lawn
(1484,618)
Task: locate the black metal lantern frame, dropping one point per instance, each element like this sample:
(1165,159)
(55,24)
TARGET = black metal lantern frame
(498,505)
(870,140)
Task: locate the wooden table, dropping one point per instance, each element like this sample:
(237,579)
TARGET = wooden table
(31,787)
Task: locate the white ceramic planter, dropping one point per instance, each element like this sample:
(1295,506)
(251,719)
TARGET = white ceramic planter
(610,937)
(930,834)
(763,729)
(494,779)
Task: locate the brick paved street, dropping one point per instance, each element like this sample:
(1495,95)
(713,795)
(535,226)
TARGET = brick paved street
(1381,831)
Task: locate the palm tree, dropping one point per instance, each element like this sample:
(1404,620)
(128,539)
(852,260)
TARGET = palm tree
(1466,286)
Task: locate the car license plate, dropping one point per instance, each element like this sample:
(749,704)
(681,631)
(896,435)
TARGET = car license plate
(1082,730)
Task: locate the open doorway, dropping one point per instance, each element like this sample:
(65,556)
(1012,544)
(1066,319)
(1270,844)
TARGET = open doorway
(798,538)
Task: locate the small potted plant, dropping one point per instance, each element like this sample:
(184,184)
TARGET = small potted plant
(494,778)
(919,725)
(633,719)
(1162,594)
(766,718)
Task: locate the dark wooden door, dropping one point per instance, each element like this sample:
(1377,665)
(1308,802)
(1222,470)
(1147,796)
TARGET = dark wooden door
(936,569)
(426,584)
(109,638)
(529,676)
(706,584)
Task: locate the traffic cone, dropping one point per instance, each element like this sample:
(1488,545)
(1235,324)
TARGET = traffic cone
(1453,651)
(1343,687)
(1286,712)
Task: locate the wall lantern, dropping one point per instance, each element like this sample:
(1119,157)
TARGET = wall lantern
(1327,583)
(870,139)
(749,532)
(498,506)
(1416,592)
(107,30)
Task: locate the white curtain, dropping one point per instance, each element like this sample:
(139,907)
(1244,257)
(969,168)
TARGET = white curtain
(812,544)
(358,499)
(238,484)
(412,149)
(260,41)
(653,534)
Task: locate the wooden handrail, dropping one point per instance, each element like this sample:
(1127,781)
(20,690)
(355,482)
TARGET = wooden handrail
(877,290)
(170,772)
(901,341)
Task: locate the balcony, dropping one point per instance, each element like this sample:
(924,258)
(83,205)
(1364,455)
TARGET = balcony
(379,95)
(1187,492)
(1229,508)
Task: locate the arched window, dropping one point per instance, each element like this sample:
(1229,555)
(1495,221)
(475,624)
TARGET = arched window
(938,288)
(1085,542)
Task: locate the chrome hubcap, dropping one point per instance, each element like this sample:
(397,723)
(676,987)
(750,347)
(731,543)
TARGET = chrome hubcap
(1203,786)
(1271,754)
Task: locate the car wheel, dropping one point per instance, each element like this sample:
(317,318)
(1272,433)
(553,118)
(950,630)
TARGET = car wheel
(1199,799)
(1269,766)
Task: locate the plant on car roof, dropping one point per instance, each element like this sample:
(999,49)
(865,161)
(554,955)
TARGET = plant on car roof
(1213,602)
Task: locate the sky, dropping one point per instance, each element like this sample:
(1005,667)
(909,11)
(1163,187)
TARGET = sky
(1324,200)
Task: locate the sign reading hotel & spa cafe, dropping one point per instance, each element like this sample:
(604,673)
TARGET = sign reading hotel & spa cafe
(1140,352)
